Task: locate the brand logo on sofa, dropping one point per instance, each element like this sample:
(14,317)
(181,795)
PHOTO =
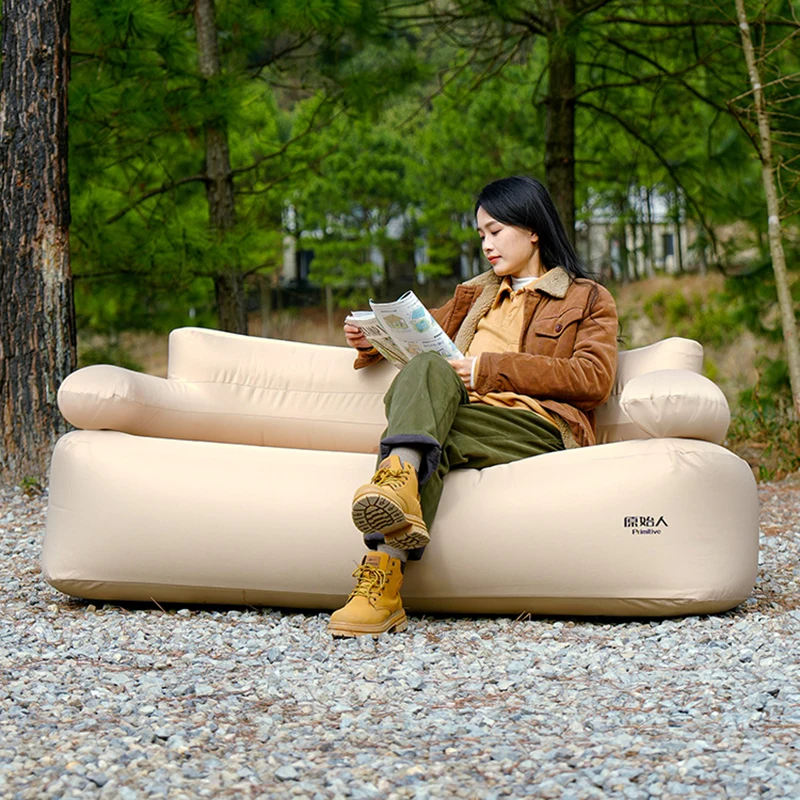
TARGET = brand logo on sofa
(645,525)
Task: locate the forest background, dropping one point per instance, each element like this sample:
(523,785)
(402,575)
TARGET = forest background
(209,143)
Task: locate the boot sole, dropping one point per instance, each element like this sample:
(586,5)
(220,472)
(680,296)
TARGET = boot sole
(395,624)
(374,513)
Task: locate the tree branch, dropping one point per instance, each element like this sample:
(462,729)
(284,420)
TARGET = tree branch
(690,23)
(310,128)
(764,86)
(649,79)
(664,71)
(740,122)
(490,71)
(589,7)
(167,187)
(259,66)
(664,163)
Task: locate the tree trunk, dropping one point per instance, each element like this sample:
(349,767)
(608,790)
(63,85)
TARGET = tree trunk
(634,252)
(559,147)
(265,285)
(329,310)
(622,233)
(37,321)
(231,310)
(649,237)
(678,233)
(701,237)
(785,302)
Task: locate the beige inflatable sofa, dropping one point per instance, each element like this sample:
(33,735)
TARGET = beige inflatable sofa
(230,482)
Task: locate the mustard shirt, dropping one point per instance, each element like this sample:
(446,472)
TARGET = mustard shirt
(499,332)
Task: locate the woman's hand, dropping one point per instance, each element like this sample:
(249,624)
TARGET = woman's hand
(355,338)
(463,368)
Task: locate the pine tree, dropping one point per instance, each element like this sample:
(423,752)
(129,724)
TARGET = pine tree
(37,331)
(183,157)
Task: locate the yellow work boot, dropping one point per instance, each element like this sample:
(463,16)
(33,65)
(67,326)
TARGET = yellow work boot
(389,504)
(374,606)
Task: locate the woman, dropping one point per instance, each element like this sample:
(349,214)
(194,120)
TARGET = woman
(539,338)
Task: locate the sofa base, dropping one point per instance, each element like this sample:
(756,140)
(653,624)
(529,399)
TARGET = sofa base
(648,528)
(524,607)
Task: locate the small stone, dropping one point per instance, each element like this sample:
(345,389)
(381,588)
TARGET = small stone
(758,701)
(286,773)
(190,772)
(98,778)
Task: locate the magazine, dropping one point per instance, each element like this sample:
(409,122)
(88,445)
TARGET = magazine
(401,330)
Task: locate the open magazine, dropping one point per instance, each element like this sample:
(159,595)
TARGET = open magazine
(401,330)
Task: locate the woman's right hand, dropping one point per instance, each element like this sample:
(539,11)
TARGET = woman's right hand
(355,338)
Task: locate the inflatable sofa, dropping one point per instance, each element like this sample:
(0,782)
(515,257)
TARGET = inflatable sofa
(230,482)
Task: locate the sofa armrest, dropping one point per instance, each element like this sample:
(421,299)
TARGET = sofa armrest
(677,403)
(104,397)
(290,413)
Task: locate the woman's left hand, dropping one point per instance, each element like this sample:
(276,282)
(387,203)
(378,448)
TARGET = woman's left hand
(463,368)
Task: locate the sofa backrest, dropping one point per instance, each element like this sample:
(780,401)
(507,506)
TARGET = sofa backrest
(247,390)
(311,385)
(295,394)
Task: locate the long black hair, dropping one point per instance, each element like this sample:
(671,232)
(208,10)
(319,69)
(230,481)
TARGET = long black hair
(525,203)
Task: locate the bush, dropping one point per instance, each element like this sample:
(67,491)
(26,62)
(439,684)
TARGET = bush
(108,353)
(714,319)
(765,430)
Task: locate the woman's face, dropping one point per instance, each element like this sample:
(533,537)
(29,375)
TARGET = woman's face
(510,250)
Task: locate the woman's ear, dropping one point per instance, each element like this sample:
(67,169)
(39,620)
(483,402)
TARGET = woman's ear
(534,238)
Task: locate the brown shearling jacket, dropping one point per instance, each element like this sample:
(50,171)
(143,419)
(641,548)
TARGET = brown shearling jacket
(567,355)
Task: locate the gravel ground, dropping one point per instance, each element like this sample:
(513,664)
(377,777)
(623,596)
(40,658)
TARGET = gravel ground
(134,702)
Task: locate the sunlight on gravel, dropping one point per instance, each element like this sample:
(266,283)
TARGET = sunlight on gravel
(112,702)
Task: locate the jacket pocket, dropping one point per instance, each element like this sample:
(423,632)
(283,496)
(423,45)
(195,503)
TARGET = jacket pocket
(554,327)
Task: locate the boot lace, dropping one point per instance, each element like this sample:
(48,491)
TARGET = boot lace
(371,581)
(386,476)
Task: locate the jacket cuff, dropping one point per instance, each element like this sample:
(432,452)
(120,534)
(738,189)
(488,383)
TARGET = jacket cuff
(482,370)
(366,358)
(473,373)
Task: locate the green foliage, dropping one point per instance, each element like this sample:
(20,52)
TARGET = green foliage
(358,114)
(31,486)
(139,114)
(716,319)
(344,211)
(110,352)
(754,291)
(765,426)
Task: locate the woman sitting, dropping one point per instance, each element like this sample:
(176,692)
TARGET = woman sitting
(540,344)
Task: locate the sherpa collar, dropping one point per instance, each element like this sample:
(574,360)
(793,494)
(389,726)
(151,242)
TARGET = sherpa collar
(554,282)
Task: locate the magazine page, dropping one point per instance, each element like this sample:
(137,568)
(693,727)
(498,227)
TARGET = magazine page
(413,328)
(378,338)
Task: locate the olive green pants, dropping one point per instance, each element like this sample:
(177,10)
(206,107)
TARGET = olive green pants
(427,408)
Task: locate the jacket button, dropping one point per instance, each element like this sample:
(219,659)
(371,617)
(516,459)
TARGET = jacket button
(558,327)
